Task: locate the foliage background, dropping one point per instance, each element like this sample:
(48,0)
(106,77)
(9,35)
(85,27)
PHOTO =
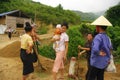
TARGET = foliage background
(41,12)
(113,15)
(75,38)
(49,15)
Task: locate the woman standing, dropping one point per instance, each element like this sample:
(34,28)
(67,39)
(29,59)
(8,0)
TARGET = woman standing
(26,50)
(62,53)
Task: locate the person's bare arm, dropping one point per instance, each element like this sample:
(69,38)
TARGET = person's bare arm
(80,53)
(38,38)
(87,49)
(30,46)
(53,39)
(66,50)
(83,48)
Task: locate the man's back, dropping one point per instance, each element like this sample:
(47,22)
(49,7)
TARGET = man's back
(100,43)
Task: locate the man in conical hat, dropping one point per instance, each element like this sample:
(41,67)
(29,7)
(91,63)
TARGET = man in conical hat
(100,52)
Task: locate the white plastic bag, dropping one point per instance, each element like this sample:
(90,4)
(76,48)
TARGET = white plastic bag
(111,67)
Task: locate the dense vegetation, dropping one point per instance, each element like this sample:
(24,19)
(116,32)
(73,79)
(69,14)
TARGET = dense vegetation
(38,11)
(113,14)
(114,33)
(87,17)
(75,37)
(48,15)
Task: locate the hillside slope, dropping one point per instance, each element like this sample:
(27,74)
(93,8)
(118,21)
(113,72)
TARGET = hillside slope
(41,12)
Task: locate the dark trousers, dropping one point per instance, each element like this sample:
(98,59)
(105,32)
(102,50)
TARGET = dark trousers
(9,35)
(87,72)
(95,73)
(88,66)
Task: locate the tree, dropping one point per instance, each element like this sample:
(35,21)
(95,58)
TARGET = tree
(4,0)
(44,13)
(59,7)
(113,14)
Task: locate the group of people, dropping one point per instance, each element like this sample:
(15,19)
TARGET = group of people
(60,40)
(97,48)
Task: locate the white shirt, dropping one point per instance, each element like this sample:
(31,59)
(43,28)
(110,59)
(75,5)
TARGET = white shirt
(63,38)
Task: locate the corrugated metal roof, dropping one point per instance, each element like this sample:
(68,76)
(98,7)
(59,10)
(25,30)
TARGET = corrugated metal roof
(6,13)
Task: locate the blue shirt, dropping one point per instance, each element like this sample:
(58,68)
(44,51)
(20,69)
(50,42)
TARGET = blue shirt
(100,42)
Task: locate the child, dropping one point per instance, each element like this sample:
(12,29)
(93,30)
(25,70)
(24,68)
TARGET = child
(56,36)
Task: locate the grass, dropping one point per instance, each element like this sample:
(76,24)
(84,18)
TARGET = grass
(42,30)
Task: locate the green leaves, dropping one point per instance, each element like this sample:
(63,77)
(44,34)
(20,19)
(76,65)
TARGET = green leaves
(75,39)
(43,12)
(47,51)
(113,14)
(114,33)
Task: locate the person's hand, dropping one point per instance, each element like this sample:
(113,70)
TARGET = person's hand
(57,39)
(79,54)
(102,53)
(28,51)
(65,58)
(79,46)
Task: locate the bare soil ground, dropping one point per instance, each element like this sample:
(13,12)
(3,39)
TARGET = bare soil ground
(11,65)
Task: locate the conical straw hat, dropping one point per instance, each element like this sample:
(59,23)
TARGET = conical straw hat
(101,21)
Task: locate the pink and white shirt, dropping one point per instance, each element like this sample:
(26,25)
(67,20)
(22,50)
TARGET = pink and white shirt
(63,38)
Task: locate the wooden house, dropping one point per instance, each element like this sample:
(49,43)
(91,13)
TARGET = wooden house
(14,19)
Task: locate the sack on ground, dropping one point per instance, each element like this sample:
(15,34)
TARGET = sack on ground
(72,67)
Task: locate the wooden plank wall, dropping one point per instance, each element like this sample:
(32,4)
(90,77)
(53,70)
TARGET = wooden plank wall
(12,21)
(2,20)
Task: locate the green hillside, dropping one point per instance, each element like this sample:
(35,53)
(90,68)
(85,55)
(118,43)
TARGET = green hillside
(86,16)
(89,16)
(42,12)
(113,14)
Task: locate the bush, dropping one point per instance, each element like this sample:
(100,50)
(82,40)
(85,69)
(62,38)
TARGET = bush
(42,30)
(75,39)
(84,29)
(114,34)
(117,55)
(113,15)
(47,51)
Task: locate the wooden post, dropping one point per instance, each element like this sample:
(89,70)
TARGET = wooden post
(36,51)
